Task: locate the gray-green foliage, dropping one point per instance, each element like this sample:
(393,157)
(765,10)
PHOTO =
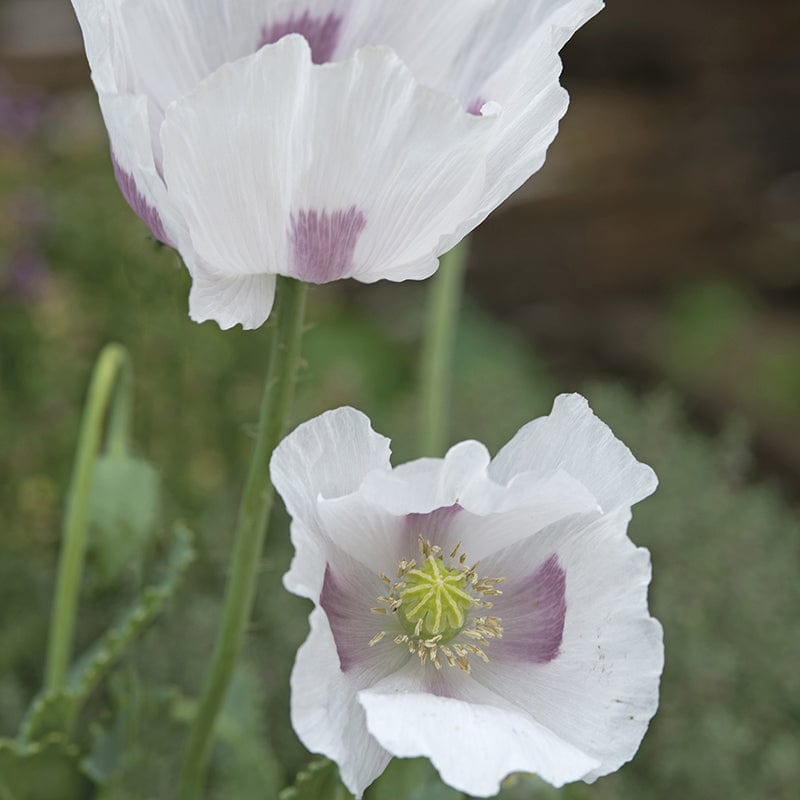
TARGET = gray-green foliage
(124,512)
(46,770)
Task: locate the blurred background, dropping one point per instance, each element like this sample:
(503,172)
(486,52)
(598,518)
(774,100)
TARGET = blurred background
(653,264)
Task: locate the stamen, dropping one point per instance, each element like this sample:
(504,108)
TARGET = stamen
(434,600)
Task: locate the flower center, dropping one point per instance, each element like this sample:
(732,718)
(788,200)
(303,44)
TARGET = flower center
(432,604)
(435,598)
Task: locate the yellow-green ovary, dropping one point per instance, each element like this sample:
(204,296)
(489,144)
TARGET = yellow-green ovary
(437,596)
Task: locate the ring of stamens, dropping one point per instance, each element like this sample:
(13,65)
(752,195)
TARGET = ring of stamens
(432,600)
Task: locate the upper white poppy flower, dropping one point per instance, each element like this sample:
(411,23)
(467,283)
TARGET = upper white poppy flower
(322,139)
(541,657)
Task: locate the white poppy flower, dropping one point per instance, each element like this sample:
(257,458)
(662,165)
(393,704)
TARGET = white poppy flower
(322,139)
(489,614)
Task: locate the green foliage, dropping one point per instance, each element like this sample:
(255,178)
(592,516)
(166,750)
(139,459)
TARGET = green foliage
(411,779)
(245,766)
(705,321)
(320,779)
(135,756)
(97,662)
(47,770)
(54,713)
(523,786)
(48,714)
(123,514)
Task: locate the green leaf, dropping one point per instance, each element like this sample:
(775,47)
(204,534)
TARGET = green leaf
(48,714)
(524,786)
(54,713)
(411,779)
(124,509)
(138,754)
(95,664)
(47,770)
(318,781)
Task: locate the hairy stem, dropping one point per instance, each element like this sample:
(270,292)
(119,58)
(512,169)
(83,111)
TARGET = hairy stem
(251,530)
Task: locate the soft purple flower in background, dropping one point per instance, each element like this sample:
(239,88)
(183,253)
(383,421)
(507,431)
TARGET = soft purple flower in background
(490,614)
(24,275)
(21,109)
(322,139)
(24,268)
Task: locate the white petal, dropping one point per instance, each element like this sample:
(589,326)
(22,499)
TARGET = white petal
(325,713)
(326,457)
(572,438)
(428,37)
(96,18)
(229,301)
(514,61)
(367,532)
(127,119)
(601,690)
(426,484)
(322,172)
(473,739)
(172,46)
(307,570)
(503,521)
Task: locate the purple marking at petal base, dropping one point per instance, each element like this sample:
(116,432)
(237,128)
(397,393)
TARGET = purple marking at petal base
(136,200)
(434,524)
(534,628)
(321,33)
(475,106)
(341,609)
(323,243)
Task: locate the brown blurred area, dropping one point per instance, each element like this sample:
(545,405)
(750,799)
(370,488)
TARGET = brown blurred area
(676,175)
(677,166)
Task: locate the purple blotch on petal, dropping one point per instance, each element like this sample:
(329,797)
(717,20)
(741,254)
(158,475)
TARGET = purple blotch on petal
(432,526)
(323,243)
(341,608)
(534,610)
(136,200)
(475,106)
(321,33)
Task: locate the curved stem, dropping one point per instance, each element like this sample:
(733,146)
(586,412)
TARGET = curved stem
(111,381)
(437,354)
(251,529)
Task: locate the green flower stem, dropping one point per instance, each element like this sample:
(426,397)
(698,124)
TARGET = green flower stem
(251,529)
(110,396)
(437,355)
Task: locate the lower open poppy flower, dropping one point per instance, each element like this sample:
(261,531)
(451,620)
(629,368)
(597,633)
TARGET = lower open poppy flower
(490,615)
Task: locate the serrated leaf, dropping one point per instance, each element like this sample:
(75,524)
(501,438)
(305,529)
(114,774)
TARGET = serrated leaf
(47,770)
(48,714)
(320,779)
(95,664)
(411,779)
(54,712)
(124,509)
(138,755)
